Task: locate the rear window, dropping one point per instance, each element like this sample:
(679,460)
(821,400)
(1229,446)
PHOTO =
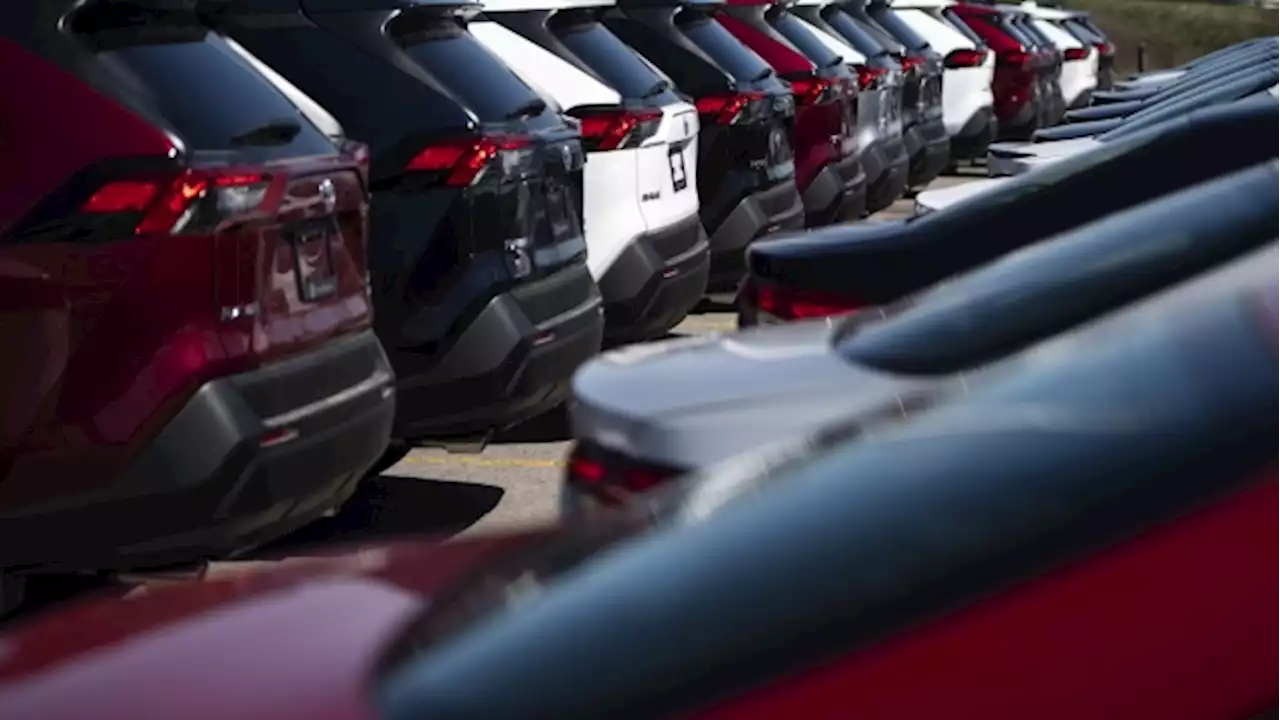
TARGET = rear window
(195,81)
(957,23)
(602,51)
(722,47)
(884,39)
(458,61)
(889,20)
(795,31)
(861,40)
(1082,32)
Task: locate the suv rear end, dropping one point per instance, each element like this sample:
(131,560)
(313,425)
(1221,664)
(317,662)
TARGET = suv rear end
(484,299)
(831,180)
(746,164)
(927,139)
(881,81)
(648,250)
(1017,83)
(969,67)
(190,271)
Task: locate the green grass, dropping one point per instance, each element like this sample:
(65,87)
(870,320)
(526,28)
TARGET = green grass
(1173,31)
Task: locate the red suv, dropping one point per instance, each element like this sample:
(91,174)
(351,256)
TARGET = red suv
(1021,99)
(828,173)
(183,298)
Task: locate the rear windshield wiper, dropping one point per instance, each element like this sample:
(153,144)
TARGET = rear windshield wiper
(657,89)
(762,75)
(529,109)
(275,132)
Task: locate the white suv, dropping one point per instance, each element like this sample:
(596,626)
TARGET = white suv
(646,247)
(1079,60)
(968,69)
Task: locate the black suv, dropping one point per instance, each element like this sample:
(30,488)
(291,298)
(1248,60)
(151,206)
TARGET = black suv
(746,163)
(478,263)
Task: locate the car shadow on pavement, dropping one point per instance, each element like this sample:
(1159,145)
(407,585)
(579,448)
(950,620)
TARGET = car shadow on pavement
(393,506)
(549,427)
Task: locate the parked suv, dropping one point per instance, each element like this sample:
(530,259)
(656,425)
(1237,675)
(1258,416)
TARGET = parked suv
(883,86)
(969,67)
(484,299)
(746,163)
(831,180)
(645,243)
(1018,84)
(927,139)
(191,369)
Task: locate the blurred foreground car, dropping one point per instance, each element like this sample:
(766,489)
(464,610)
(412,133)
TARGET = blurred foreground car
(841,269)
(478,262)
(644,415)
(1131,463)
(1055,144)
(191,366)
(1158,77)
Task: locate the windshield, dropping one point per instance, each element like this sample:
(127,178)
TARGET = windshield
(722,47)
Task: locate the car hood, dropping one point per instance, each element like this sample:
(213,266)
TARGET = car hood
(689,402)
(277,644)
(934,200)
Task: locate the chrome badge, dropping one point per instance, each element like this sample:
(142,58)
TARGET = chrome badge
(328,195)
(566,154)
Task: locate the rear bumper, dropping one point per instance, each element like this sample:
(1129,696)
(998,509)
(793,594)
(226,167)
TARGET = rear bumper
(248,459)
(1017,122)
(512,362)
(929,148)
(891,182)
(757,215)
(978,133)
(838,193)
(656,281)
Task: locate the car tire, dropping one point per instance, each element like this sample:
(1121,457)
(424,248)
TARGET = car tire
(395,452)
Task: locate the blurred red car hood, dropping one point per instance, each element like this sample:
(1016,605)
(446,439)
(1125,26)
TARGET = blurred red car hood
(299,640)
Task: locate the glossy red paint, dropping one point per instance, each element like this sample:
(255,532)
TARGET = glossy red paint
(1013,84)
(112,337)
(817,123)
(298,641)
(1179,623)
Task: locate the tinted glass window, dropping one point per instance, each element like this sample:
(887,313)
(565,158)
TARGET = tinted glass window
(1082,32)
(797,34)
(890,21)
(193,79)
(465,68)
(603,52)
(954,20)
(731,55)
(886,40)
(852,32)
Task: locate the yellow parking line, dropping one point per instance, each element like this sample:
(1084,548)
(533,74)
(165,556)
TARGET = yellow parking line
(483,462)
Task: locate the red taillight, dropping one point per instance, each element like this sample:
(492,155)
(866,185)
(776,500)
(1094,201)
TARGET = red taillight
(1105,49)
(726,109)
(464,160)
(810,91)
(965,58)
(1076,54)
(790,303)
(1014,58)
(869,76)
(614,129)
(615,479)
(170,206)
(910,62)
